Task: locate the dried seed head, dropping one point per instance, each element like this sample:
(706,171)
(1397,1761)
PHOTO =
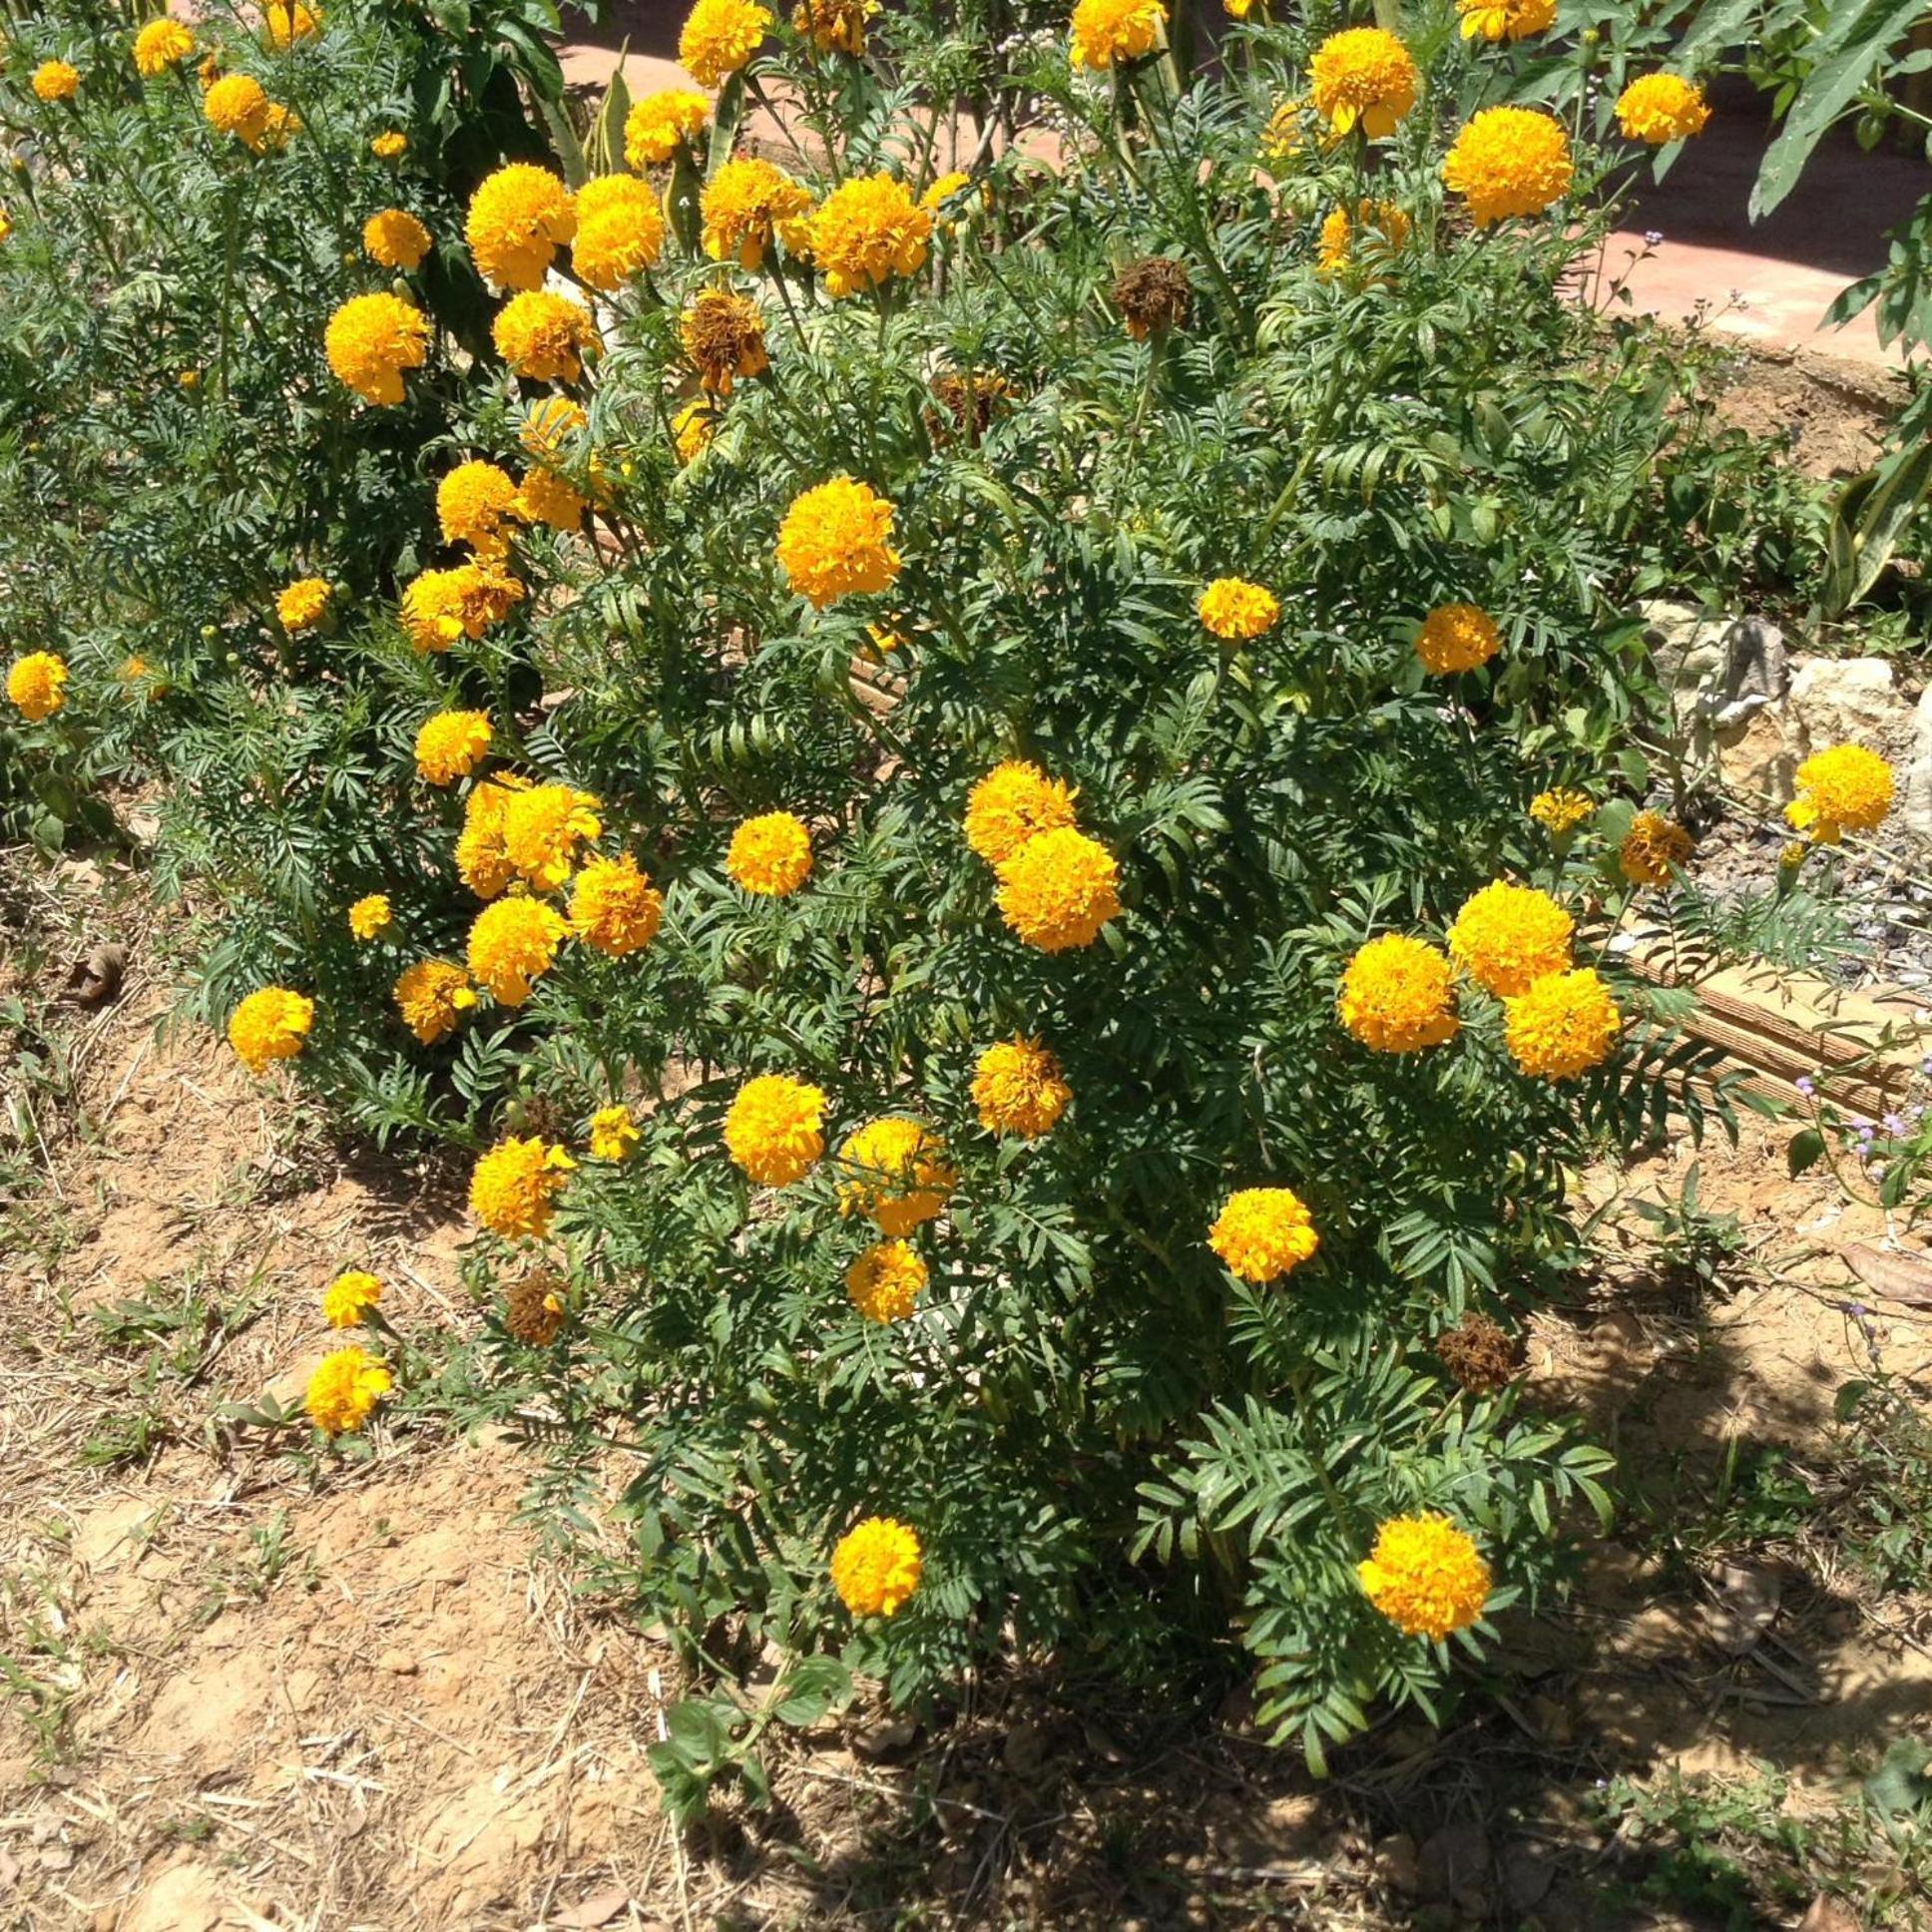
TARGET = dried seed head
(533,1308)
(1479,1355)
(1153,295)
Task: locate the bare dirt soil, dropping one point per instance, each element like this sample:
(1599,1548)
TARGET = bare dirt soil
(242,1685)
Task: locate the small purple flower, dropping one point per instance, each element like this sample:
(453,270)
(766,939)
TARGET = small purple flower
(1895,1126)
(1653,238)
(1855,1309)
(1806,1084)
(1878,1168)
(1925,1065)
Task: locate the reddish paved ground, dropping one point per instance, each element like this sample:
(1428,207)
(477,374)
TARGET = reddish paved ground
(1787,270)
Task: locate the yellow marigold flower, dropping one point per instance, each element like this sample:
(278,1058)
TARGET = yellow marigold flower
(1399,996)
(1363,77)
(1059,889)
(1659,107)
(662,123)
(775,1129)
(1019,1088)
(473,503)
(304,604)
(944,188)
(1792,853)
(1456,636)
(371,916)
(620,230)
(1652,848)
(6,224)
(210,70)
(885,1281)
(719,37)
(615,907)
(1365,241)
(1015,801)
(544,497)
(692,430)
(519,218)
(440,605)
(541,336)
(480,858)
(371,339)
(834,26)
(542,827)
(744,204)
(514,1188)
(160,45)
(1563,1025)
(432,997)
(54,80)
(269,1024)
(344,1390)
(895,1170)
(876,1566)
(724,335)
(236,105)
(395,238)
(1509,160)
(1508,936)
(1237,610)
(614,1134)
(37,685)
(1505,18)
(288,21)
(1106,31)
(390,145)
(1560,811)
(1425,1576)
(349,1298)
(1843,789)
(1263,1233)
(770,855)
(836,540)
(513,942)
(450,745)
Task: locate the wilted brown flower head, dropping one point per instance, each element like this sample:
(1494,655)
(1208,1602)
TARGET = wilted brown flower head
(1153,295)
(533,1308)
(1479,1355)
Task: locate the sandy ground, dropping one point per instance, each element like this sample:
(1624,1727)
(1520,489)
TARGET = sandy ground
(247,1687)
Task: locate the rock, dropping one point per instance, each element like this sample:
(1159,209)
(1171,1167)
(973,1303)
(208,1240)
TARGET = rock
(1454,1860)
(1825,1914)
(1742,1607)
(1720,671)
(1673,632)
(1849,700)
(1918,812)
(1527,1873)
(398,1664)
(1400,1869)
(1757,757)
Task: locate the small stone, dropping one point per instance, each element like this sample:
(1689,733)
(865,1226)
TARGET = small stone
(398,1664)
(1454,1859)
(1400,1865)
(1528,1874)
(1849,700)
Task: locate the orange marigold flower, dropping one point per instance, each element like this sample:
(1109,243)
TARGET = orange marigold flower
(1509,160)
(450,745)
(620,230)
(344,1389)
(613,907)
(544,497)
(1560,811)
(1236,610)
(1660,107)
(432,997)
(1263,1233)
(837,541)
(518,218)
(54,80)
(514,1188)
(542,827)
(1505,18)
(390,145)
(1363,244)
(513,942)
(1107,31)
(160,45)
(770,855)
(884,1283)
(269,1024)
(1457,636)
(236,105)
(480,858)
(440,605)
(744,204)
(1015,801)
(692,430)
(662,123)
(304,604)
(1363,77)
(775,1129)
(1425,1576)
(1562,1025)
(473,504)
(37,685)
(1018,1087)
(719,37)
(371,916)
(876,1566)
(542,335)
(1399,996)
(1652,849)
(1059,889)
(614,1134)
(834,26)
(393,238)
(371,340)
(349,1298)
(896,1172)
(1845,789)
(288,21)
(1508,936)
